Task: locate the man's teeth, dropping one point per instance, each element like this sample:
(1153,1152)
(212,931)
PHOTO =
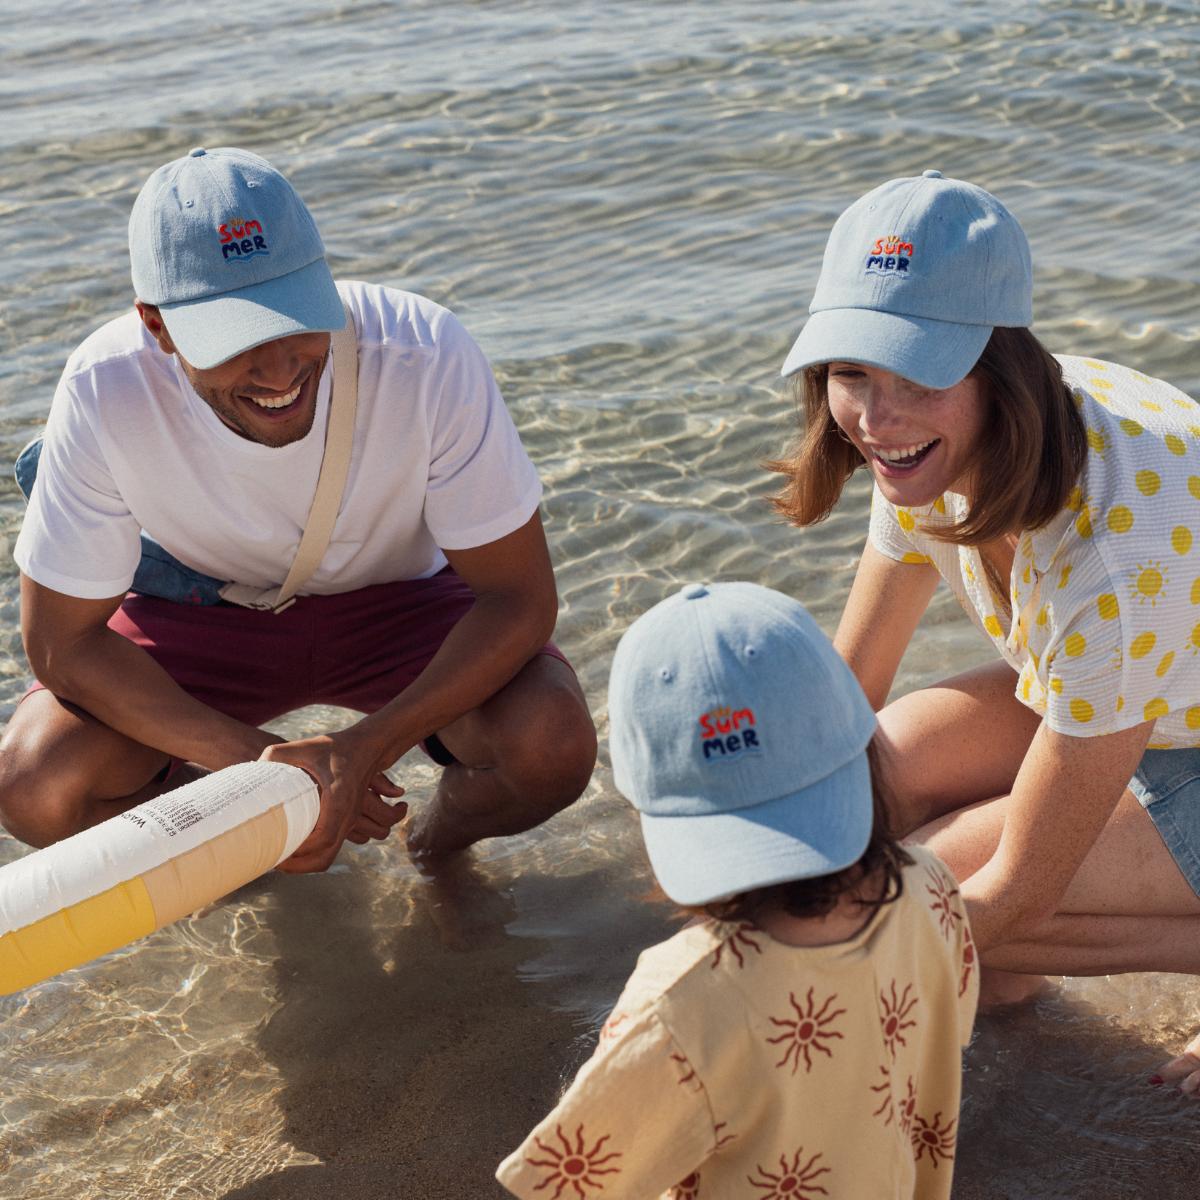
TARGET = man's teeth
(276,401)
(904,452)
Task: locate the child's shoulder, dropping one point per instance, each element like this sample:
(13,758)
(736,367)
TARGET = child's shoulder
(689,958)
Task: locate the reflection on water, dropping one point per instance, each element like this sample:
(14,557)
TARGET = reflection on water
(626,204)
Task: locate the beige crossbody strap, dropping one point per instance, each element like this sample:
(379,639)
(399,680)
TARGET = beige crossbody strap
(335,466)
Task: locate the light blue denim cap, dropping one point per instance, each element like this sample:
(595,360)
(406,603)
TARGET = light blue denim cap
(916,275)
(739,735)
(222,244)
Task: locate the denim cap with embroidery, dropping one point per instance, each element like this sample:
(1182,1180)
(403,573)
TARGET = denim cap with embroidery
(221,243)
(740,736)
(916,275)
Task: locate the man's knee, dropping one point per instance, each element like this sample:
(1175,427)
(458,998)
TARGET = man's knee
(553,752)
(32,809)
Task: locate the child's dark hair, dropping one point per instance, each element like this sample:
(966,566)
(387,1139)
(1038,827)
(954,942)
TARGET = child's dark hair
(884,857)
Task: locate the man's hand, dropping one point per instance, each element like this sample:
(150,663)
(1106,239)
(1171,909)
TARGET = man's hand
(352,796)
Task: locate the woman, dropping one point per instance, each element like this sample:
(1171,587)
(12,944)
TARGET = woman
(1060,500)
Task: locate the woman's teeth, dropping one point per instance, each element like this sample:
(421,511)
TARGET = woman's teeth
(276,401)
(904,455)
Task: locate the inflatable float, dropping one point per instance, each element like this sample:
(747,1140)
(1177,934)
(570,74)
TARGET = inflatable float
(136,872)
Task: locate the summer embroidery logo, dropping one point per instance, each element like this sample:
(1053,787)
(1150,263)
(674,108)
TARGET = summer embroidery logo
(889,256)
(727,732)
(241,239)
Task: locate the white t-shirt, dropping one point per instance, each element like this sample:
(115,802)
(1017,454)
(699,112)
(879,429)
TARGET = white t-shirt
(1105,627)
(129,446)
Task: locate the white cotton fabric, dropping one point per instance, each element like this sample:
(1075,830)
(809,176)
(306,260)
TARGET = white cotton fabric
(1105,627)
(437,463)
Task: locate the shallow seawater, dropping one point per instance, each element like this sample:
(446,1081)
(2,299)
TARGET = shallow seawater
(626,204)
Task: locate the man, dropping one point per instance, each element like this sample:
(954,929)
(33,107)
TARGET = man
(199,420)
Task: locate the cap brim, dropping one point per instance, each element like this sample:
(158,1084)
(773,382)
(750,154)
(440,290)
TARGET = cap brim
(817,831)
(935,354)
(208,332)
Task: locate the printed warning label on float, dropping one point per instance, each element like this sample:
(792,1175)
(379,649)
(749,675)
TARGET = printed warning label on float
(175,812)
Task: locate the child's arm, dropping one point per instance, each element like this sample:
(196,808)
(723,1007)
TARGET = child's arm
(635,1122)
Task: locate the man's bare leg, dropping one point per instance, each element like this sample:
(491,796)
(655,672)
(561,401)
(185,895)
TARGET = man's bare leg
(61,771)
(522,756)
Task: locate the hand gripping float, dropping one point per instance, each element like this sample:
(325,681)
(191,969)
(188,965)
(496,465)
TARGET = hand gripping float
(141,870)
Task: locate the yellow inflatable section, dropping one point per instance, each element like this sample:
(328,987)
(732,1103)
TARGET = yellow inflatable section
(133,874)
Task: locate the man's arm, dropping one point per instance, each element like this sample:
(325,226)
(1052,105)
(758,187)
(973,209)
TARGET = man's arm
(515,608)
(74,654)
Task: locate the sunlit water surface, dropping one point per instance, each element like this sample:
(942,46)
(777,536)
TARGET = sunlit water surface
(626,204)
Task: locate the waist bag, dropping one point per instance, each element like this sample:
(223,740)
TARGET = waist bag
(161,574)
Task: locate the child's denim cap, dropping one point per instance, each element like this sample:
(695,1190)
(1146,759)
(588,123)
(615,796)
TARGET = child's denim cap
(916,275)
(221,243)
(740,736)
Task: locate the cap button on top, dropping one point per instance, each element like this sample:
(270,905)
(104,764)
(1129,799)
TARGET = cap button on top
(931,175)
(693,591)
(198,152)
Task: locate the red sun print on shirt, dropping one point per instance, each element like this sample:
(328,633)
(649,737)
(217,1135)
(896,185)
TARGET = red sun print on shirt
(687,1189)
(687,1073)
(907,1107)
(573,1165)
(792,1180)
(894,1016)
(931,1137)
(968,961)
(883,1092)
(808,1031)
(739,940)
(943,893)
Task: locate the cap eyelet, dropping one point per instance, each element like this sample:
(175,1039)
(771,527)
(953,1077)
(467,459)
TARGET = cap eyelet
(666,674)
(751,651)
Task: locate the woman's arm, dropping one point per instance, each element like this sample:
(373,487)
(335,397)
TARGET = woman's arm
(1064,794)
(886,601)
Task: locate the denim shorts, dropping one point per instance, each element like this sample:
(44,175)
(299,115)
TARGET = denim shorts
(1167,786)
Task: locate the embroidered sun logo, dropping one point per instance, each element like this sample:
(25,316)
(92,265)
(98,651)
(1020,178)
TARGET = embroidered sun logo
(793,1179)
(808,1032)
(737,941)
(894,1016)
(931,1137)
(1148,583)
(942,894)
(687,1189)
(573,1165)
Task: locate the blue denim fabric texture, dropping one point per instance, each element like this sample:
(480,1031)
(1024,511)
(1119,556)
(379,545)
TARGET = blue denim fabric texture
(159,573)
(1167,786)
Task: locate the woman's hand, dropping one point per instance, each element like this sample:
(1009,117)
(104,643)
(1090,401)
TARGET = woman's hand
(1182,1072)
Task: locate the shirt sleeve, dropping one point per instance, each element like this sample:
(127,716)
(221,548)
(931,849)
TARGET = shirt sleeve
(78,537)
(481,485)
(891,530)
(635,1122)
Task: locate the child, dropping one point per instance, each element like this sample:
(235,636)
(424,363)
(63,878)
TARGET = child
(803,1040)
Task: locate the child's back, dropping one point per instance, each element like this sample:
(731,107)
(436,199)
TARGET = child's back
(806,1040)
(735,1065)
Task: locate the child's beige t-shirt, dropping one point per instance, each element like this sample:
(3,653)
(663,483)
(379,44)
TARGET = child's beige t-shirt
(1105,626)
(735,1066)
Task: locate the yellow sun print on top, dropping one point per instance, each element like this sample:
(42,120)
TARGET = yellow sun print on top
(1148,583)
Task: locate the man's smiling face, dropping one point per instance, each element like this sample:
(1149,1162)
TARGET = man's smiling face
(267,394)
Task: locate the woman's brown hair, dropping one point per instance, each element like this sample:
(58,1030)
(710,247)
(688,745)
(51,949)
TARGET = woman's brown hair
(883,860)
(1024,468)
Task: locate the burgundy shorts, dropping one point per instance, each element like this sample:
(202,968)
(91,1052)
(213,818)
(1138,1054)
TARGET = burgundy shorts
(356,649)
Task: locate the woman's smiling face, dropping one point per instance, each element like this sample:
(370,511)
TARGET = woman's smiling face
(919,442)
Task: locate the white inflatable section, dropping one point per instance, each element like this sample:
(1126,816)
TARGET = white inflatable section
(122,879)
